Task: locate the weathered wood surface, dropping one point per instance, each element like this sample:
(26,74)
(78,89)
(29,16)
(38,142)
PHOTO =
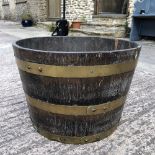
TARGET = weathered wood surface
(135,134)
(102,76)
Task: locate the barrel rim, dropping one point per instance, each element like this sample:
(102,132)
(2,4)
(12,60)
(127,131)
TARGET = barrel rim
(138,47)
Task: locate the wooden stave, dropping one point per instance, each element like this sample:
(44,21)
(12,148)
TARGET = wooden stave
(33,86)
(65,125)
(115,51)
(76,59)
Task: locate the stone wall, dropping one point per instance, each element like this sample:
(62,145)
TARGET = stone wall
(5,12)
(79,9)
(8,11)
(75,9)
(84,9)
(131,9)
(14,10)
(12,6)
(38,9)
(20,9)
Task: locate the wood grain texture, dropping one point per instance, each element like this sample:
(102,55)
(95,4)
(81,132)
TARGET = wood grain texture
(78,126)
(76,110)
(76,51)
(76,91)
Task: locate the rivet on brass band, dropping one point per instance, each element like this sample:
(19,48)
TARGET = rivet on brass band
(75,110)
(77,140)
(76,71)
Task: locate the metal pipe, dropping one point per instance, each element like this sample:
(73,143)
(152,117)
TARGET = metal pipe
(64,9)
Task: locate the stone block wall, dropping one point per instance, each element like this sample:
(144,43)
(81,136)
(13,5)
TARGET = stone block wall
(38,9)
(75,9)
(5,11)
(79,9)
(131,9)
(13,10)
(21,8)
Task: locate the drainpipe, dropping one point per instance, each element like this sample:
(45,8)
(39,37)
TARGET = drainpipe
(62,25)
(64,9)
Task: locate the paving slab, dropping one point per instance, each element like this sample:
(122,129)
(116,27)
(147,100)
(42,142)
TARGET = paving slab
(134,136)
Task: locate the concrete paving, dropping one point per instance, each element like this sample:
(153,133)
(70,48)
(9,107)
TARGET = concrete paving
(134,136)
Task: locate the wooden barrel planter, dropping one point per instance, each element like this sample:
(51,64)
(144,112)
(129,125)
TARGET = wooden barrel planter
(76,87)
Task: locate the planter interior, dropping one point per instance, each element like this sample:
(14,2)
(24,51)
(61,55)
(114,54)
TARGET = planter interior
(76,87)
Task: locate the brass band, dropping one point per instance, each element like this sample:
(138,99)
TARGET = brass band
(76,110)
(76,71)
(77,140)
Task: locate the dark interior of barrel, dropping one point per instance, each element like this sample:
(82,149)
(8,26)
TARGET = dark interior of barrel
(76,44)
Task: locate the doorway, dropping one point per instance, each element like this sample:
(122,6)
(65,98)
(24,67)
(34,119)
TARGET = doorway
(54,9)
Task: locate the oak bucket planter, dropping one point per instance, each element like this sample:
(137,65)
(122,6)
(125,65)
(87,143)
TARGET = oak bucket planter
(76,87)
